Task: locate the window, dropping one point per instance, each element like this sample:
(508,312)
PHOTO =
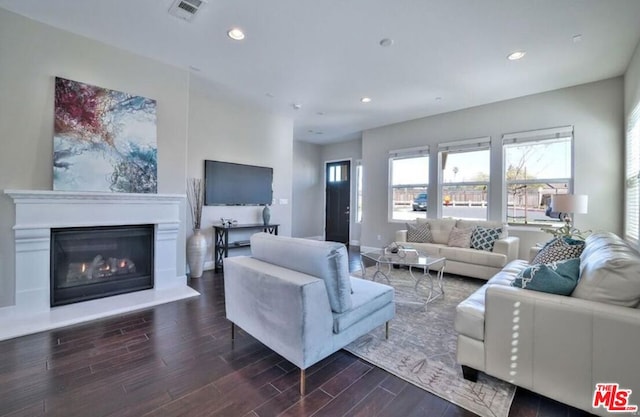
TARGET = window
(358,191)
(632,177)
(537,165)
(408,177)
(465,178)
(339,173)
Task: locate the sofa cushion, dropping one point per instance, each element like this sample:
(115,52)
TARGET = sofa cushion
(420,232)
(483,238)
(609,271)
(368,297)
(429,249)
(474,257)
(326,260)
(440,228)
(469,319)
(460,238)
(559,249)
(556,278)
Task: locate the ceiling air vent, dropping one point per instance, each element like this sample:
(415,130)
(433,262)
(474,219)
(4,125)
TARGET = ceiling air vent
(185,9)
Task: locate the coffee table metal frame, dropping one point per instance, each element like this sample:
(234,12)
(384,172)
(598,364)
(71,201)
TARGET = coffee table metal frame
(422,261)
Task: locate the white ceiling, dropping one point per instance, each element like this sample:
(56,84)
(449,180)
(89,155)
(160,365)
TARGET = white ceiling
(325,54)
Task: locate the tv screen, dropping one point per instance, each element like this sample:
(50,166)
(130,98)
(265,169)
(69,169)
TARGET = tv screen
(237,184)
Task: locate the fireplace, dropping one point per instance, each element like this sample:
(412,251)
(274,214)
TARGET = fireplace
(95,262)
(39,212)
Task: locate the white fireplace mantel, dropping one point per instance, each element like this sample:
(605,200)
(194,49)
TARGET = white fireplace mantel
(37,212)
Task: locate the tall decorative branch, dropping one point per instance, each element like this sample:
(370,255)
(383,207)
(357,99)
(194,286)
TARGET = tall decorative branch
(195,198)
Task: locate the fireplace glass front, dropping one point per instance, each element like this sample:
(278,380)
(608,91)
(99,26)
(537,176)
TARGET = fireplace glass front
(95,262)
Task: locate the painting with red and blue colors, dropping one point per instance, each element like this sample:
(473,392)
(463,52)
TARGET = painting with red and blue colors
(104,140)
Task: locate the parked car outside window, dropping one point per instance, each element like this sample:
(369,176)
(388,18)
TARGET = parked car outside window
(420,202)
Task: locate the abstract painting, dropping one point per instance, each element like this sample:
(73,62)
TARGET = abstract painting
(104,140)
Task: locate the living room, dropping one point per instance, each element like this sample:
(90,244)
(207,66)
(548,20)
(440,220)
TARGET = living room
(199,120)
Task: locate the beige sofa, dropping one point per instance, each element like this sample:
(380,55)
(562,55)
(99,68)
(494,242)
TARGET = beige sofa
(465,261)
(559,346)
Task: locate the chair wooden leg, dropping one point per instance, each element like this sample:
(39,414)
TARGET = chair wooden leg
(302,383)
(386,330)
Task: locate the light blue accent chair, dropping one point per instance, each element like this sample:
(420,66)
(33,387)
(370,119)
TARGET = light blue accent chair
(296,297)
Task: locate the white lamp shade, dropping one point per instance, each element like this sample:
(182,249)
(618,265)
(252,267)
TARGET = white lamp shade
(570,203)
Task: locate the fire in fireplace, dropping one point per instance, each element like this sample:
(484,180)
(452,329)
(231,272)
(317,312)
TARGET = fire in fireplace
(95,262)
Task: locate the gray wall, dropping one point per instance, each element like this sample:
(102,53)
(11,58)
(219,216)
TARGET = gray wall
(350,150)
(224,129)
(194,123)
(308,220)
(595,110)
(632,84)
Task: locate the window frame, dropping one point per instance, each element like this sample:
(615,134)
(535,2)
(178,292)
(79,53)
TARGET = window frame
(536,137)
(419,152)
(464,146)
(632,178)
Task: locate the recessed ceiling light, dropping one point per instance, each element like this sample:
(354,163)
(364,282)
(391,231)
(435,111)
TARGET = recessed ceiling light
(576,38)
(365,99)
(296,106)
(270,95)
(438,98)
(194,69)
(320,113)
(514,56)
(236,34)
(386,42)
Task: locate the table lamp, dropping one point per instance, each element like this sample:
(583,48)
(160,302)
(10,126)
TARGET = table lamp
(569,204)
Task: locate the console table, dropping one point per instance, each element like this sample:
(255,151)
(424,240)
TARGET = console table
(221,236)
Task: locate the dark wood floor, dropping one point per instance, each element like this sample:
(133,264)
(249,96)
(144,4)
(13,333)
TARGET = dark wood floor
(177,359)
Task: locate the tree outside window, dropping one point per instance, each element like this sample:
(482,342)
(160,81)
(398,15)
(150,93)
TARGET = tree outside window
(534,171)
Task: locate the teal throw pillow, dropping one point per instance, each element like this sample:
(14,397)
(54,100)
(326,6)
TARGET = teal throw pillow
(556,278)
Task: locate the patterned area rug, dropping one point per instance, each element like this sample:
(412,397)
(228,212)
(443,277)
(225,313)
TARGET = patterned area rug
(422,346)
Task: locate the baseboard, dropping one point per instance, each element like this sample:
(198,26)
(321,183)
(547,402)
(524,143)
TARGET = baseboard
(354,243)
(209,265)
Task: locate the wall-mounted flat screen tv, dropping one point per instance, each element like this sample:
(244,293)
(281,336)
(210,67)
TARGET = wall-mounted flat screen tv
(229,184)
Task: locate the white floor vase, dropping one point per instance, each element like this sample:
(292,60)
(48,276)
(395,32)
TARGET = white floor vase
(196,252)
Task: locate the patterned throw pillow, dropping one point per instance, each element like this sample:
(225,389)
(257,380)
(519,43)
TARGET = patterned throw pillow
(559,249)
(483,238)
(460,238)
(419,233)
(555,278)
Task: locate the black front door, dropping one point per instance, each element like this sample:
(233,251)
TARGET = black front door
(338,198)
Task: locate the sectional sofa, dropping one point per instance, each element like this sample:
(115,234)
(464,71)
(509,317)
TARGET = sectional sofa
(556,345)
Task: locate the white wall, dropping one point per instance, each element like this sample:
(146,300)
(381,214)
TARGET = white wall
(31,55)
(352,151)
(308,178)
(224,129)
(595,110)
(632,84)
(194,123)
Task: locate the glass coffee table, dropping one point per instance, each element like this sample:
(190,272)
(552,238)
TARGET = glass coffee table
(385,261)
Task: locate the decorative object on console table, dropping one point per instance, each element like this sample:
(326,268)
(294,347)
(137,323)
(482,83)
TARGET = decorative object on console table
(197,243)
(222,245)
(568,204)
(266,214)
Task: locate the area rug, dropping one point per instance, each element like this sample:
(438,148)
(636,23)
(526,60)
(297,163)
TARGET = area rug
(422,346)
